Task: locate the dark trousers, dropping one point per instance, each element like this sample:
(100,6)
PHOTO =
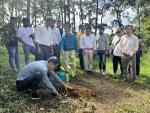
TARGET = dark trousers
(138,56)
(31,82)
(116,61)
(57,52)
(102,59)
(45,53)
(81,59)
(126,62)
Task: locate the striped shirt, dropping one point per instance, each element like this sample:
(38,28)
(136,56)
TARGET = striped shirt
(39,67)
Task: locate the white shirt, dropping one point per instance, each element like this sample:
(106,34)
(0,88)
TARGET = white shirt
(55,35)
(25,33)
(129,44)
(43,35)
(116,51)
(88,42)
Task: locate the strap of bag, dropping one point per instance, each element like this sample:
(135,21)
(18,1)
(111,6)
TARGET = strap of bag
(117,43)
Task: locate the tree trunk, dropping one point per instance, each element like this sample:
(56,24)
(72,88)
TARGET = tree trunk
(74,19)
(64,11)
(81,12)
(139,21)
(96,16)
(61,11)
(28,8)
(68,11)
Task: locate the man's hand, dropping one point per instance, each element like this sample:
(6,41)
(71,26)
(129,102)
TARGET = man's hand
(39,50)
(67,86)
(52,52)
(62,53)
(83,52)
(77,53)
(131,54)
(32,35)
(58,95)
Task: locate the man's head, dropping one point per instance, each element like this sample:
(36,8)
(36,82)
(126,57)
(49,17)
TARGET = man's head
(48,21)
(52,23)
(13,21)
(101,29)
(26,22)
(129,29)
(52,63)
(82,28)
(58,23)
(67,30)
(88,30)
(119,32)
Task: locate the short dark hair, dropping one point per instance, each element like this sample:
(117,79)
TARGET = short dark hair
(53,59)
(101,27)
(88,27)
(25,20)
(48,18)
(129,26)
(13,18)
(67,27)
(58,20)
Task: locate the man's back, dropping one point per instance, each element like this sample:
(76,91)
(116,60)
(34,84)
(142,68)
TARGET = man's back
(32,68)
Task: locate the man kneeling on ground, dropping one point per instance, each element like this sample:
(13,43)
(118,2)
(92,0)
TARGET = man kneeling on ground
(35,72)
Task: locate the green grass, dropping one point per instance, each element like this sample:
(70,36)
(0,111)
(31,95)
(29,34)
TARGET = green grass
(113,96)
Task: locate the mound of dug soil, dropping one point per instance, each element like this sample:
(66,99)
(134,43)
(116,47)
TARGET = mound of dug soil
(75,92)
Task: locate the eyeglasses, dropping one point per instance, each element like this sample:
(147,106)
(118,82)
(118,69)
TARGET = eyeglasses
(118,32)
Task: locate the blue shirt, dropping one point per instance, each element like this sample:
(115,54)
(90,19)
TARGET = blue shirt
(69,43)
(39,67)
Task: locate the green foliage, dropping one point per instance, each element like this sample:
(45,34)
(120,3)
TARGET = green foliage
(145,28)
(69,69)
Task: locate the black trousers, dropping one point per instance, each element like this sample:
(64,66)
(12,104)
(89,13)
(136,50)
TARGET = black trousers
(56,49)
(31,82)
(138,56)
(81,59)
(116,61)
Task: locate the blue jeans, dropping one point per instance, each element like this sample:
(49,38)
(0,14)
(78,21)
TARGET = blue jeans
(102,59)
(13,57)
(27,50)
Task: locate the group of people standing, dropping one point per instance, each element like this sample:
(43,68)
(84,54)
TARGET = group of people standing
(50,40)
(125,48)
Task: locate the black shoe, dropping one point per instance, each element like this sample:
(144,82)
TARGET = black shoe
(90,72)
(35,96)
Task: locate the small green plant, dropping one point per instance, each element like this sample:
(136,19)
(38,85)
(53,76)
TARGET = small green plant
(72,68)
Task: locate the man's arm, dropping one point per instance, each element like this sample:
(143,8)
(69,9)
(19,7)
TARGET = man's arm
(36,39)
(76,44)
(136,45)
(19,35)
(62,44)
(48,83)
(56,77)
(94,43)
(59,80)
(107,42)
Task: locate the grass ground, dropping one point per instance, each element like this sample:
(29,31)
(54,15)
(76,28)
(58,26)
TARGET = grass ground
(113,96)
